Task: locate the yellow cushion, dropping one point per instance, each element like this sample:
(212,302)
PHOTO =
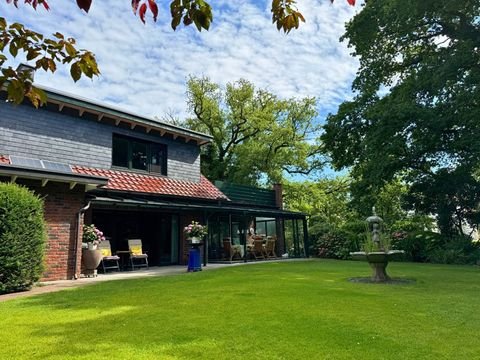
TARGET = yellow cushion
(106,252)
(136,249)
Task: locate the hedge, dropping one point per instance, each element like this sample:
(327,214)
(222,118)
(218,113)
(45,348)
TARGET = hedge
(22,238)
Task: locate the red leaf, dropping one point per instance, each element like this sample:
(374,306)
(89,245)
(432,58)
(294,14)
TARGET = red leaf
(84,4)
(153,8)
(351,2)
(141,12)
(135,5)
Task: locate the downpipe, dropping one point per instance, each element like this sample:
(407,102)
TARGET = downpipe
(77,238)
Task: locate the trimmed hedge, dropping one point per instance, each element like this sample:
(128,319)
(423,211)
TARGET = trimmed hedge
(22,238)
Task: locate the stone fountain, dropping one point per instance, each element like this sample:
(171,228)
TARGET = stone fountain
(376,251)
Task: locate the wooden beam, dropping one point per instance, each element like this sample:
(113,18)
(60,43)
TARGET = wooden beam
(175,136)
(187,139)
(13,178)
(162,132)
(80,112)
(117,122)
(72,185)
(44,182)
(148,129)
(60,107)
(100,117)
(132,126)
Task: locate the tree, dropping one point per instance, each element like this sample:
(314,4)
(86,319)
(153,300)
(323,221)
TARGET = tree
(325,201)
(416,107)
(255,134)
(49,52)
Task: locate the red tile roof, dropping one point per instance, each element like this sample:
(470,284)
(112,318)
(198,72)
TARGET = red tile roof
(129,181)
(4,159)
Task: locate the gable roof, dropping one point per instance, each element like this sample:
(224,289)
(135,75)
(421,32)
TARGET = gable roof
(155,185)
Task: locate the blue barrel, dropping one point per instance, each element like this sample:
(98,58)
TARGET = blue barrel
(194,263)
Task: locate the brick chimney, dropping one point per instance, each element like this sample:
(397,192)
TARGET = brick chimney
(24,68)
(278,188)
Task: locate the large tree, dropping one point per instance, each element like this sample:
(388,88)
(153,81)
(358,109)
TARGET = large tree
(49,52)
(416,110)
(255,134)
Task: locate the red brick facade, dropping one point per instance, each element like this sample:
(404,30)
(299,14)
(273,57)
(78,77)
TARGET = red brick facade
(60,211)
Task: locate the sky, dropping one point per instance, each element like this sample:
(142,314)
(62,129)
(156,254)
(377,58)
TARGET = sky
(144,67)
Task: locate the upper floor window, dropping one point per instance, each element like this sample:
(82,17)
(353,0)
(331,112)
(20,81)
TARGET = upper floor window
(137,154)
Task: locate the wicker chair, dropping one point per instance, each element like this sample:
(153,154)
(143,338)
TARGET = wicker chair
(270,247)
(258,250)
(229,251)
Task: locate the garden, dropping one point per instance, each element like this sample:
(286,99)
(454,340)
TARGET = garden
(280,310)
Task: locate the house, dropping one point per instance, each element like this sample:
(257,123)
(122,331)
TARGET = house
(133,177)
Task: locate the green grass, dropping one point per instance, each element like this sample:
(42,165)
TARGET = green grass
(287,310)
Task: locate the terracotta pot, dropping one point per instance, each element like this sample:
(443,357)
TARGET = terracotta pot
(90,261)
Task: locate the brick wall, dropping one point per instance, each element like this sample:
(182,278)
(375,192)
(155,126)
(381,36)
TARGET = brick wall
(60,211)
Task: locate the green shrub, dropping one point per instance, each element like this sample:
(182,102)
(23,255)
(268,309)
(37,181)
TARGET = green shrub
(336,244)
(416,245)
(22,238)
(455,250)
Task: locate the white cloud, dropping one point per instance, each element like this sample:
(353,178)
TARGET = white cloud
(144,68)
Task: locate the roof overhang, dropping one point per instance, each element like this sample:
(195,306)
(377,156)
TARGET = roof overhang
(220,207)
(21,172)
(120,117)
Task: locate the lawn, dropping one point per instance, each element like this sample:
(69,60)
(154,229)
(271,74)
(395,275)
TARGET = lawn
(285,310)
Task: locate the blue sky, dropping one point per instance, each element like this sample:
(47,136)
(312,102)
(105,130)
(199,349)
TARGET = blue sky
(144,67)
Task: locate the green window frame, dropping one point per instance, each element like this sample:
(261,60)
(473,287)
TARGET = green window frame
(139,155)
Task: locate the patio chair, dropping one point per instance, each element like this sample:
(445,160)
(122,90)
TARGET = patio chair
(270,247)
(230,251)
(258,250)
(109,261)
(137,257)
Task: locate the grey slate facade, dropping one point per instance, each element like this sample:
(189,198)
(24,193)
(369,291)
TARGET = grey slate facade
(57,136)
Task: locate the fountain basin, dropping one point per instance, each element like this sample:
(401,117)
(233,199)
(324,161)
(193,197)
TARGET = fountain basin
(378,261)
(377,256)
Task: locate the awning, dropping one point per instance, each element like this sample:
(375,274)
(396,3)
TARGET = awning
(121,202)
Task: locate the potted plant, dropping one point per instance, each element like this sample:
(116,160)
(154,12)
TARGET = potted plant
(91,256)
(195,232)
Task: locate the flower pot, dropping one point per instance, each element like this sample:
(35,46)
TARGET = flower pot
(90,261)
(195,240)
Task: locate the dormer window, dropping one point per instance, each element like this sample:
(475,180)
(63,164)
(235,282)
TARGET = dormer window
(135,154)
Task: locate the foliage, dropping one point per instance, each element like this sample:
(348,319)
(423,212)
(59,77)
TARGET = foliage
(195,230)
(255,134)
(414,113)
(22,238)
(455,250)
(46,53)
(92,235)
(336,244)
(427,246)
(325,201)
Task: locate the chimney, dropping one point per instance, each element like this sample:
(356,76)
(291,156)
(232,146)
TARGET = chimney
(29,70)
(278,188)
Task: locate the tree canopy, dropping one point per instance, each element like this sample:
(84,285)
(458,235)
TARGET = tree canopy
(255,134)
(416,109)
